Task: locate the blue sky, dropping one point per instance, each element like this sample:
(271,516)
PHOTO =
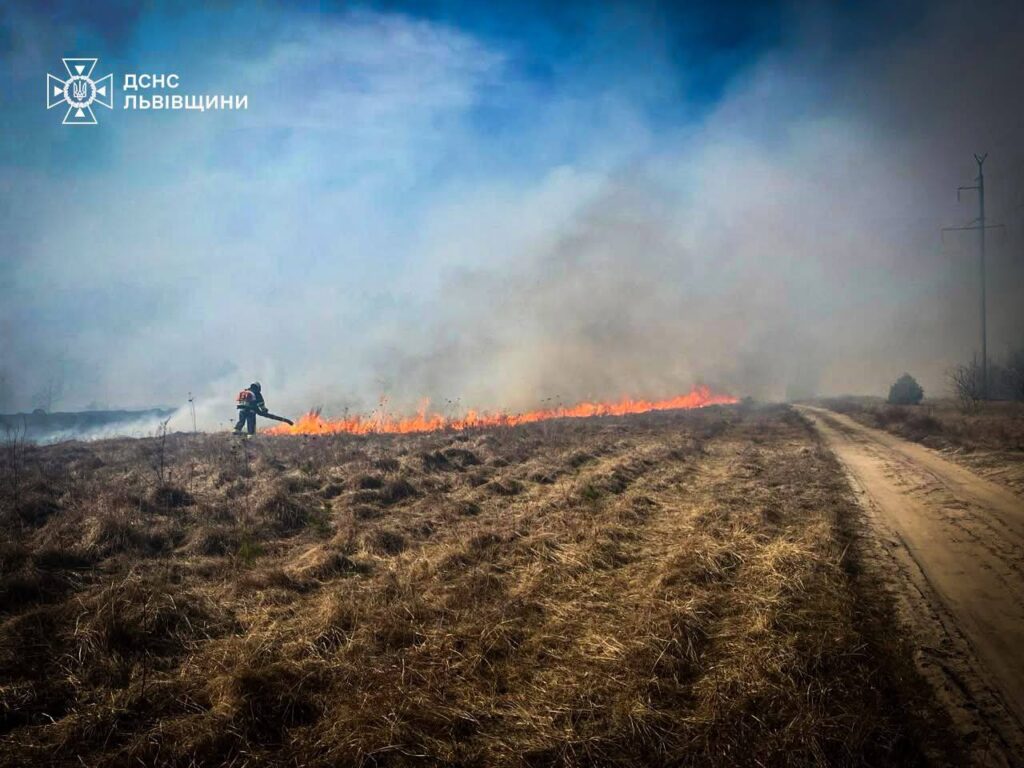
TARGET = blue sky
(675,59)
(492,202)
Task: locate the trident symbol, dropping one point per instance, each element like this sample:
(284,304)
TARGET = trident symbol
(79,90)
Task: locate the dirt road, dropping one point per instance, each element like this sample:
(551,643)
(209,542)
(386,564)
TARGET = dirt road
(953,544)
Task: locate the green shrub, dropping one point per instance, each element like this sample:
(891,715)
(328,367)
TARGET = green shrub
(905,391)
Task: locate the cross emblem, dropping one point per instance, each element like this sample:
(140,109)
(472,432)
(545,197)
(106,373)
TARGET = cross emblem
(79,91)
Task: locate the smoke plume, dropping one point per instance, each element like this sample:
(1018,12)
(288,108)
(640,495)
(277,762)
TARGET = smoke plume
(408,210)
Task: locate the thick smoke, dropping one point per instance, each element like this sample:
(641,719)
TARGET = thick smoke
(366,229)
(788,245)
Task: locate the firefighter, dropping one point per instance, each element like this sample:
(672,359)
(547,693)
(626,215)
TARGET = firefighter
(250,403)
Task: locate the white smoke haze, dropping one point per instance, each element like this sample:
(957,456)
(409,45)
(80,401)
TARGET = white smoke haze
(145,427)
(367,234)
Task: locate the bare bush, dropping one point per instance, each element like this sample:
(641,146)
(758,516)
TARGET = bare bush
(968,384)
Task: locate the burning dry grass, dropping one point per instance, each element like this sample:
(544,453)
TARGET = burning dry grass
(662,589)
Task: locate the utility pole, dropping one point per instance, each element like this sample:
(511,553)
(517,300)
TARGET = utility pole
(980,186)
(979,225)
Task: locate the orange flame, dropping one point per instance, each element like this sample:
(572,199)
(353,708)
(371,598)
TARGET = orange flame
(381,423)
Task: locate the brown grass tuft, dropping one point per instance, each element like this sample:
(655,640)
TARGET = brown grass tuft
(285,512)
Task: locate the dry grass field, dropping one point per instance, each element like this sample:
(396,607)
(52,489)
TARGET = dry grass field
(988,438)
(942,423)
(683,588)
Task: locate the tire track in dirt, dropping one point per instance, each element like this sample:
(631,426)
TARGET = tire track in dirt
(955,548)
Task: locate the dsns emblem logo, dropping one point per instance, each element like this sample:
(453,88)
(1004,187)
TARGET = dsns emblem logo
(80,91)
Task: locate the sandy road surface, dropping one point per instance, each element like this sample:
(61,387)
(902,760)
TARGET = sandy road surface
(953,544)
